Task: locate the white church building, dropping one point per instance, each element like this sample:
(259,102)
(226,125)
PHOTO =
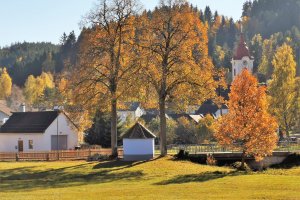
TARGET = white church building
(241,59)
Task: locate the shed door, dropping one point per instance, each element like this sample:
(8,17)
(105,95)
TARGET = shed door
(61,140)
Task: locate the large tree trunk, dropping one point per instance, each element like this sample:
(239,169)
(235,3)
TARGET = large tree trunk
(114,136)
(163,127)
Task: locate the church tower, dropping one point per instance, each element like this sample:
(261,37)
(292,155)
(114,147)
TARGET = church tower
(241,58)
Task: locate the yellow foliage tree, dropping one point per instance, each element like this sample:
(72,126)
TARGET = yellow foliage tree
(35,87)
(177,68)
(248,126)
(5,84)
(283,90)
(106,69)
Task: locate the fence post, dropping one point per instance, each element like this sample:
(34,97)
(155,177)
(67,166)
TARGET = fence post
(17,157)
(90,153)
(47,157)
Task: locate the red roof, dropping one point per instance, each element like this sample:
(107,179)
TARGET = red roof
(242,49)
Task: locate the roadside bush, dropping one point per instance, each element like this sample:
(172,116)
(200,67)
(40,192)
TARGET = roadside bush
(210,160)
(182,155)
(97,157)
(238,166)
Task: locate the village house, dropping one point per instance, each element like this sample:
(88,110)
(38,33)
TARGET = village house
(131,109)
(38,131)
(209,107)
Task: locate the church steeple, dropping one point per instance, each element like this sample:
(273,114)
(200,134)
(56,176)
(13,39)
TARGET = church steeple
(241,57)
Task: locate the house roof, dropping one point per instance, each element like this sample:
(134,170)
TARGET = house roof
(138,131)
(242,49)
(29,122)
(209,107)
(3,108)
(130,106)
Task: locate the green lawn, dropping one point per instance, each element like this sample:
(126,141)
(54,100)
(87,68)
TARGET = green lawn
(158,179)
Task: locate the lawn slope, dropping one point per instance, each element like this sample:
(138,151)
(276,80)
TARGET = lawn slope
(158,179)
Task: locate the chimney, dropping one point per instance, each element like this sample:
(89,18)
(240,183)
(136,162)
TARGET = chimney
(22,107)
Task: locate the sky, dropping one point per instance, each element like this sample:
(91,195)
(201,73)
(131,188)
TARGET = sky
(47,20)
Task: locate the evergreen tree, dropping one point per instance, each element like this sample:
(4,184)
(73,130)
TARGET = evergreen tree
(99,133)
(208,15)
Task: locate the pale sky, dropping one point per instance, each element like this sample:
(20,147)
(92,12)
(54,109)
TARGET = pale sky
(46,20)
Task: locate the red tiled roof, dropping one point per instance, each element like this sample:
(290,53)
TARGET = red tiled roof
(242,49)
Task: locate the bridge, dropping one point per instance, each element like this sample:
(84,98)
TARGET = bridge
(230,155)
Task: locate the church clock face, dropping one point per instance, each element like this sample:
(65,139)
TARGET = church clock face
(245,63)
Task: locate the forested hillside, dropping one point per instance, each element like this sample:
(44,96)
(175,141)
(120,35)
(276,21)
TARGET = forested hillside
(267,24)
(24,59)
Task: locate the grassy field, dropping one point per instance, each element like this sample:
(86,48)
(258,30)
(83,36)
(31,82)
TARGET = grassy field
(162,178)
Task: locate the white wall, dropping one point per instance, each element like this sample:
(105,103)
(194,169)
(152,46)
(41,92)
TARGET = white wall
(238,66)
(138,146)
(41,141)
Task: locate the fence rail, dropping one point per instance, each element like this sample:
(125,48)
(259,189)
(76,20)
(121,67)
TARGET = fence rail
(55,155)
(214,148)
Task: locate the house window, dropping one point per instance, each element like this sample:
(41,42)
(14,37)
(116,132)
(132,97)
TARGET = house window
(234,72)
(30,144)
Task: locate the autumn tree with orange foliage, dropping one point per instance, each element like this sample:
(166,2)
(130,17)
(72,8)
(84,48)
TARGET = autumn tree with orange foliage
(177,68)
(106,66)
(248,125)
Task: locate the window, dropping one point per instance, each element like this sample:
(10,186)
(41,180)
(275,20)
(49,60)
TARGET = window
(234,73)
(30,144)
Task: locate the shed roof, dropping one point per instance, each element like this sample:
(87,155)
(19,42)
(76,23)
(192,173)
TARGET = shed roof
(29,122)
(138,131)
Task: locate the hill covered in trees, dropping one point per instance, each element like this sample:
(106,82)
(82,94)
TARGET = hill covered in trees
(25,59)
(276,21)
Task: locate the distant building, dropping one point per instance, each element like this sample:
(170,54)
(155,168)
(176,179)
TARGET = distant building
(132,109)
(209,107)
(38,131)
(242,58)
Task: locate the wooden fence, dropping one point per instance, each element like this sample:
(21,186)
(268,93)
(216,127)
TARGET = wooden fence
(55,155)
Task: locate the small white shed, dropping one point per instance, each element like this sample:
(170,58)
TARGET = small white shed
(138,143)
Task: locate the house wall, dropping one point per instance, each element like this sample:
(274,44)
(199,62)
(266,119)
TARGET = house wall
(138,149)
(41,141)
(123,115)
(218,113)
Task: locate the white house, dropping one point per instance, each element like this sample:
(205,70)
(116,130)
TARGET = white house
(5,112)
(241,59)
(38,131)
(138,143)
(132,109)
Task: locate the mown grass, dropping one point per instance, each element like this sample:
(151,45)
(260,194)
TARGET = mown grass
(162,178)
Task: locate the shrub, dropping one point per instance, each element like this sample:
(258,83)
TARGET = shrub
(97,157)
(238,166)
(182,155)
(210,160)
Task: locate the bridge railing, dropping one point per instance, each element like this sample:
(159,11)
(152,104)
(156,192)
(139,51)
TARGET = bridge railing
(214,147)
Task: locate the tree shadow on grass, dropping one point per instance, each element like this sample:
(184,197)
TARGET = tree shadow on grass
(28,178)
(202,177)
(116,165)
